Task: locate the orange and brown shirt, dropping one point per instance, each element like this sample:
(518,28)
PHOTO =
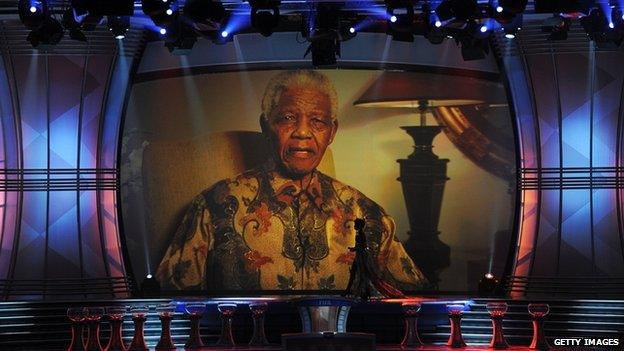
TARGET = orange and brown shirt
(262,231)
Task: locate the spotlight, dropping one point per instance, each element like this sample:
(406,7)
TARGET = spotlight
(557,26)
(512,6)
(207,12)
(438,24)
(224,34)
(401,29)
(473,48)
(617,18)
(598,29)
(347,31)
(265,15)
(159,11)
(611,25)
(488,285)
(97,9)
(324,35)
(32,19)
(512,28)
(483,29)
(436,35)
(499,9)
(49,32)
(118,25)
(71,24)
(180,38)
(162,31)
(458,9)
(562,6)
(150,287)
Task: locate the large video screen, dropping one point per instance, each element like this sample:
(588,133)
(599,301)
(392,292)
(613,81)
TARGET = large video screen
(252,180)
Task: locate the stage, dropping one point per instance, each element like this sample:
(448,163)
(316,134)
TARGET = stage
(44,325)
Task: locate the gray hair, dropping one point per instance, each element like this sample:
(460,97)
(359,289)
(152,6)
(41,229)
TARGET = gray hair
(297,78)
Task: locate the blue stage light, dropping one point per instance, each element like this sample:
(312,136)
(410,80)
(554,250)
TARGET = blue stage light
(224,34)
(352,30)
(438,24)
(393,18)
(33,9)
(483,29)
(499,9)
(169,12)
(163,31)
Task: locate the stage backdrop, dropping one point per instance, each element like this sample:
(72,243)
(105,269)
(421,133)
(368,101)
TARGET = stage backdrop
(184,133)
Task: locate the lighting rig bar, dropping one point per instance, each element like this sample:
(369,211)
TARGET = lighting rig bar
(323,23)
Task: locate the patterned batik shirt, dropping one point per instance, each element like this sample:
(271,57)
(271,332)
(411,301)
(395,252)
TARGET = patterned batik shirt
(262,231)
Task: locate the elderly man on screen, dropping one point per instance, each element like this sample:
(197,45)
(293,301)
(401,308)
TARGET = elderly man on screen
(284,225)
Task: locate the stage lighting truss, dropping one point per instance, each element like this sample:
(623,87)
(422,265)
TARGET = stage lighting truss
(265,15)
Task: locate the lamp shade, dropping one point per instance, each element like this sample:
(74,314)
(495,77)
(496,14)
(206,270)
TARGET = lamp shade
(408,89)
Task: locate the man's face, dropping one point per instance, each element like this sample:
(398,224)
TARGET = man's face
(301,128)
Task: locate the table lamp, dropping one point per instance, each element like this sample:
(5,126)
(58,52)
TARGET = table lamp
(423,173)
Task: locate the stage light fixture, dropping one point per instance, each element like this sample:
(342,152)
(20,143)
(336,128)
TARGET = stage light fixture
(457,9)
(401,29)
(29,18)
(512,6)
(488,285)
(473,48)
(70,23)
(49,32)
(512,28)
(597,27)
(159,12)
(436,35)
(323,33)
(180,38)
(118,25)
(162,31)
(150,287)
(563,6)
(205,12)
(558,27)
(265,15)
(617,17)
